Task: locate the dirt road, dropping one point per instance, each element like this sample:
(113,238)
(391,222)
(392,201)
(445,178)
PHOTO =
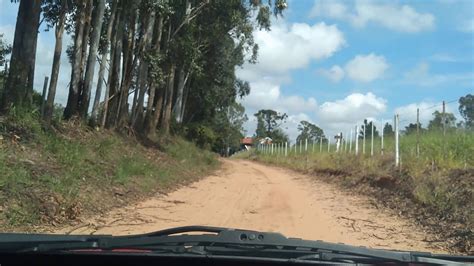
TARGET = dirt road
(253,196)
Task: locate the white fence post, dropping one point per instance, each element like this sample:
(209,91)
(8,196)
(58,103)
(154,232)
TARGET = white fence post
(286,149)
(306,145)
(363,143)
(357,140)
(397,147)
(329,145)
(313,144)
(350,143)
(372,141)
(321,144)
(301,146)
(381,139)
(272,148)
(295,146)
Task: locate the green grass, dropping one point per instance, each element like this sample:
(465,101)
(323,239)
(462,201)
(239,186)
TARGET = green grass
(45,174)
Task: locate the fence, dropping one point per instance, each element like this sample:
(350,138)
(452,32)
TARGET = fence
(446,146)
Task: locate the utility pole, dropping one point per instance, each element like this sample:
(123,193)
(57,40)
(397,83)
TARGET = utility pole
(444,118)
(417,132)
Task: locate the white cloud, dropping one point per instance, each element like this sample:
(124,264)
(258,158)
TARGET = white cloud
(335,73)
(353,108)
(366,68)
(285,48)
(288,47)
(403,18)
(421,76)
(265,95)
(467,26)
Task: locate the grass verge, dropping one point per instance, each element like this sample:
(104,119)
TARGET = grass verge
(56,176)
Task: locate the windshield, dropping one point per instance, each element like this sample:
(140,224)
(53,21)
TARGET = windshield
(343,121)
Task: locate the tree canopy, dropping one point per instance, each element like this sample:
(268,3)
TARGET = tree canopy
(310,132)
(162,65)
(268,125)
(466,109)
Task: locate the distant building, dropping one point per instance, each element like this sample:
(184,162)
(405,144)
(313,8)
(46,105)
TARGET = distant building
(265,141)
(246,143)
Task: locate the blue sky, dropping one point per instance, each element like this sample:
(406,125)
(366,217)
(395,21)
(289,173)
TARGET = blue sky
(335,63)
(382,58)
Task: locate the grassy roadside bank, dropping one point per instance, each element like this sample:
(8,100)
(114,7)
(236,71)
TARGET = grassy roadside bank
(54,177)
(441,200)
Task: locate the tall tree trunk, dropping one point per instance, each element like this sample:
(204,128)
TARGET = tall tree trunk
(94,45)
(103,61)
(113,64)
(114,82)
(185,100)
(74,87)
(165,125)
(137,119)
(150,115)
(19,85)
(178,107)
(59,30)
(128,71)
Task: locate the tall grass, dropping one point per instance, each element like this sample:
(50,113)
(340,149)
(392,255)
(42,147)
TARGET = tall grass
(436,151)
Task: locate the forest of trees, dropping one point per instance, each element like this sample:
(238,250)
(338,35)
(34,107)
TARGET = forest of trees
(163,66)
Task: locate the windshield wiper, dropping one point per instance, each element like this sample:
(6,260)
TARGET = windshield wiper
(216,241)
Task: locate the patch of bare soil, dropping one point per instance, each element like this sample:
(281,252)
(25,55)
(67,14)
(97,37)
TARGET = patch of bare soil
(253,196)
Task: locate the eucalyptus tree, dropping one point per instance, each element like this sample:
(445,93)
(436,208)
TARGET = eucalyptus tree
(19,84)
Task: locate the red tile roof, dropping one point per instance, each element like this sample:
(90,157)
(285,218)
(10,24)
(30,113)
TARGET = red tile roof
(247,141)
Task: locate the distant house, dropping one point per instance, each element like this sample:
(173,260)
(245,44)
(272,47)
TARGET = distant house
(265,141)
(246,143)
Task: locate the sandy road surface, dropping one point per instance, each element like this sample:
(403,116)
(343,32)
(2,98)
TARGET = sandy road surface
(253,196)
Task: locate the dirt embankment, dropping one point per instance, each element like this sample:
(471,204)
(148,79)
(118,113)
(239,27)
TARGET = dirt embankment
(253,196)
